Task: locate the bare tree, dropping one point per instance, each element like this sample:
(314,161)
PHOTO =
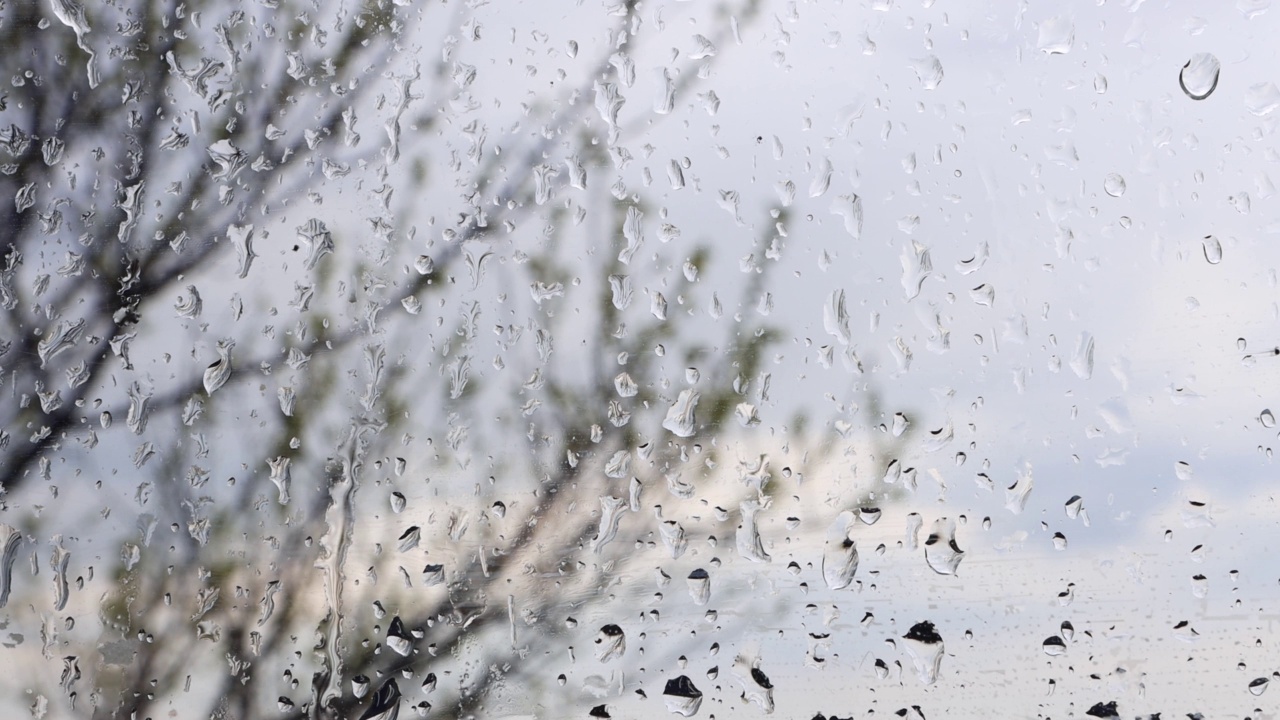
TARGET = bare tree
(247,270)
(158,153)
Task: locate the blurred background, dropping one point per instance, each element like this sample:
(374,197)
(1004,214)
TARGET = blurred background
(620,359)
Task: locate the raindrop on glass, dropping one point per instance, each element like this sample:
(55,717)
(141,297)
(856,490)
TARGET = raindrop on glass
(940,549)
(1212,249)
(1199,77)
(1055,646)
(929,70)
(682,697)
(925,647)
(700,586)
(1057,35)
(1114,185)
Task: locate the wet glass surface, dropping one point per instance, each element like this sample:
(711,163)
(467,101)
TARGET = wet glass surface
(378,358)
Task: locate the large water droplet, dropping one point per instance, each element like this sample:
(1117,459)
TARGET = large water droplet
(914,523)
(1055,646)
(610,515)
(680,419)
(360,685)
(409,539)
(1114,185)
(1082,358)
(216,375)
(242,237)
(319,242)
(1057,35)
(59,561)
(1015,496)
(10,541)
(925,646)
(756,686)
(1104,710)
(821,181)
(929,70)
(433,574)
(673,538)
(398,638)
(900,423)
(282,476)
(1212,249)
(386,702)
(1262,99)
(848,207)
(63,336)
(750,545)
(1199,77)
(1074,506)
(682,696)
(700,586)
(625,385)
(916,266)
(840,557)
(611,643)
(1252,8)
(940,549)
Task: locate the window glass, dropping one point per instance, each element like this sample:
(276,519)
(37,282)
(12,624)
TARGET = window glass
(378,358)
